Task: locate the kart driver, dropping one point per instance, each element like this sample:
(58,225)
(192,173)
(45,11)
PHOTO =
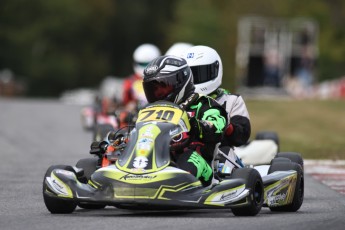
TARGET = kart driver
(133,93)
(207,69)
(132,86)
(170,78)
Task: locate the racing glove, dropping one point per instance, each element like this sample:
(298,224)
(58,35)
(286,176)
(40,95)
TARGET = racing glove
(204,130)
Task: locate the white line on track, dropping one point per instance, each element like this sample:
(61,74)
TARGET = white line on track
(329,172)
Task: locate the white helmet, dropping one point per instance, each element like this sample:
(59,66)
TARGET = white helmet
(178,48)
(143,55)
(206,66)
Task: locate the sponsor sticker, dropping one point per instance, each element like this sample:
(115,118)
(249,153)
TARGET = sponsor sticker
(151,69)
(140,162)
(144,145)
(173,132)
(277,199)
(229,195)
(64,172)
(138,177)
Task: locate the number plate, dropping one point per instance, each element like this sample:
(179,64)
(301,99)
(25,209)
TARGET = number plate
(159,113)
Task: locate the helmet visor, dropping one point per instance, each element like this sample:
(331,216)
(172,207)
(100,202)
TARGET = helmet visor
(159,89)
(204,73)
(142,64)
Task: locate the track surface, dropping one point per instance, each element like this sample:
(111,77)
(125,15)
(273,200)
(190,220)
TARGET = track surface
(329,172)
(35,134)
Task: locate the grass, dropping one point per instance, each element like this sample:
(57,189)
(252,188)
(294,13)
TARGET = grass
(315,128)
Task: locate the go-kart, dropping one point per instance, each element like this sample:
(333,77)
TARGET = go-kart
(103,125)
(100,118)
(87,117)
(145,177)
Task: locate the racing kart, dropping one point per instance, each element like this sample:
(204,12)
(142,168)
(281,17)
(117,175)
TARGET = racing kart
(145,177)
(108,113)
(100,118)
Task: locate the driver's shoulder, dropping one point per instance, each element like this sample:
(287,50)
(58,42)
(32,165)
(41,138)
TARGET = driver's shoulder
(203,98)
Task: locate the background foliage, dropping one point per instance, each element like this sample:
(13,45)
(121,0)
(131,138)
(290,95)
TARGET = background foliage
(310,127)
(63,44)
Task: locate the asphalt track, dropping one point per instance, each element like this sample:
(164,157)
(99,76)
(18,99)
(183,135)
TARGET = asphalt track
(35,134)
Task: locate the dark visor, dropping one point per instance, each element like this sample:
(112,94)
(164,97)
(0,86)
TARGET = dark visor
(142,64)
(204,73)
(158,89)
(164,87)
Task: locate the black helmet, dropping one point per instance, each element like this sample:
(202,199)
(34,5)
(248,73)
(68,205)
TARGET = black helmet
(168,78)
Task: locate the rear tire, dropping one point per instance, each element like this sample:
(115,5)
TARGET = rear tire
(254,183)
(53,204)
(294,157)
(299,188)
(268,135)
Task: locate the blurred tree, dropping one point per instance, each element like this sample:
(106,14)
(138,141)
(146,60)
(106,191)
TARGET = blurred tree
(62,44)
(54,43)
(137,22)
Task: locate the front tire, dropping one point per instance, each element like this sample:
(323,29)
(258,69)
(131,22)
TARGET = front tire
(254,183)
(268,135)
(294,157)
(53,204)
(299,188)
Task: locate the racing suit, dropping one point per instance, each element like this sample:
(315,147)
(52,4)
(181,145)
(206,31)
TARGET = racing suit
(133,98)
(238,129)
(208,120)
(132,89)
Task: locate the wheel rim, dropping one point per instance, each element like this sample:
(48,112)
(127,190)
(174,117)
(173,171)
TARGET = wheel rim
(258,193)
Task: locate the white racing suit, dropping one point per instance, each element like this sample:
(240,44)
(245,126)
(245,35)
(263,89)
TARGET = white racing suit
(239,127)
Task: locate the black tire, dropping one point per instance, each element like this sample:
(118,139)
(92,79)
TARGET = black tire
(293,156)
(279,159)
(89,165)
(268,135)
(299,189)
(101,131)
(54,205)
(254,184)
